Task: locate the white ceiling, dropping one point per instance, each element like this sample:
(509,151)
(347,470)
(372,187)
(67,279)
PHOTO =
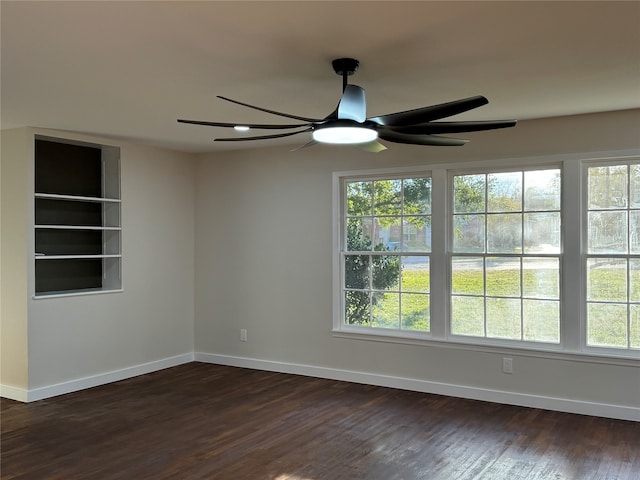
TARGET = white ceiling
(130,69)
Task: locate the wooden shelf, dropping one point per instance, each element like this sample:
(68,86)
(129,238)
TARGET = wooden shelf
(76,198)
(74,257)
(77,227)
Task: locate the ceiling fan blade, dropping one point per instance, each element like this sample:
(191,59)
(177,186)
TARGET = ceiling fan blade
(353,105)
(250,125)
(310,143)
(397,137)
(454,127)
(261,137)
(273,112)
(373,147)
(428,114)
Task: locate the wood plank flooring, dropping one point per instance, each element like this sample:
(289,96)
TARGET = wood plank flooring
(202,421)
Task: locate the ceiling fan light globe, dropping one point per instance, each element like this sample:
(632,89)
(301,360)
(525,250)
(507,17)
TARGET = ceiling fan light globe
(344,135)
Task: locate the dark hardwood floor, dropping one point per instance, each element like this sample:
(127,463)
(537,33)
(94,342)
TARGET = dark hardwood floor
(202,421)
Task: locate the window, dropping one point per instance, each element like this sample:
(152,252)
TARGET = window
(613,255)
(544,256)
(386,241)
(77,217)
(505,281)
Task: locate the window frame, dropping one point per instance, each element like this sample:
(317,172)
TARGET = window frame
(572,343)
(340,183)
(450,253)
(585,255)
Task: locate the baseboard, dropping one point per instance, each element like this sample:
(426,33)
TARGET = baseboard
(14,393)
(620,412)
(511,398)
(92,381)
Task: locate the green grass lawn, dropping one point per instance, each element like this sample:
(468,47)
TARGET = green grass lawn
(515,309)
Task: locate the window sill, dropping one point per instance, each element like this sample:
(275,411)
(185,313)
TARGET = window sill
(625,358)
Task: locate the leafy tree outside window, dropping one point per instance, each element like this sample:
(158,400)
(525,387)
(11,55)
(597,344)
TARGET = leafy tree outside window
(386,262)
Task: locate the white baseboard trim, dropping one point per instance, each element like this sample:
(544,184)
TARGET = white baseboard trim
(581,407)
(14,393)
(41,393)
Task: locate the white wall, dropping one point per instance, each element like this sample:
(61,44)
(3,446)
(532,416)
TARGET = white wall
(264,250)
(79,341)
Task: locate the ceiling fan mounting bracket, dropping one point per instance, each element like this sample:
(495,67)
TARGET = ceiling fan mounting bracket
(345,66)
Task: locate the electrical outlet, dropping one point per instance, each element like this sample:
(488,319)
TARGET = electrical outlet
(243,334)
(507,365)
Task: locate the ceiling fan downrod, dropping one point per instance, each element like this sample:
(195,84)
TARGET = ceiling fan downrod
(345,67)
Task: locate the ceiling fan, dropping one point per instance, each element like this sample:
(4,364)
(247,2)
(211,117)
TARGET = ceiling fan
(348,124)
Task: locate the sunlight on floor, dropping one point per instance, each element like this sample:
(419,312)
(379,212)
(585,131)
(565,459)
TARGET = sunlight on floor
(291,477)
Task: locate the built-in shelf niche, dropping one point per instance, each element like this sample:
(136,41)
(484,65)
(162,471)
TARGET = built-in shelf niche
(77,217)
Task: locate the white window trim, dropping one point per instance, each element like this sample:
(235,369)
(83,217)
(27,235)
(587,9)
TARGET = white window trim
(572,344)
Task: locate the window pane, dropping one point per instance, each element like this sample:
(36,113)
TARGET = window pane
(541,277)
(469,193)
(415,312)
(503,318)
(359,231)
(542,190)
(387,234)
(417,196)
(357,308)
(416,232)
(356,271)
(359,198)
(541,321)
(386,310)
(504,192)
(468,233)
(415,274)
(634,279)
(503,277)
(504,233)
(387,197)
(608,232)
(542,232)
(634,333)
(607,279)
(634,186)
(607,324)
(467,316)
(467,276)
(385,272)
(608,187)
(634,232)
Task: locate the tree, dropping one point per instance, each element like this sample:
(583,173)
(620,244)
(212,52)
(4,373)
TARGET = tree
(384,271)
